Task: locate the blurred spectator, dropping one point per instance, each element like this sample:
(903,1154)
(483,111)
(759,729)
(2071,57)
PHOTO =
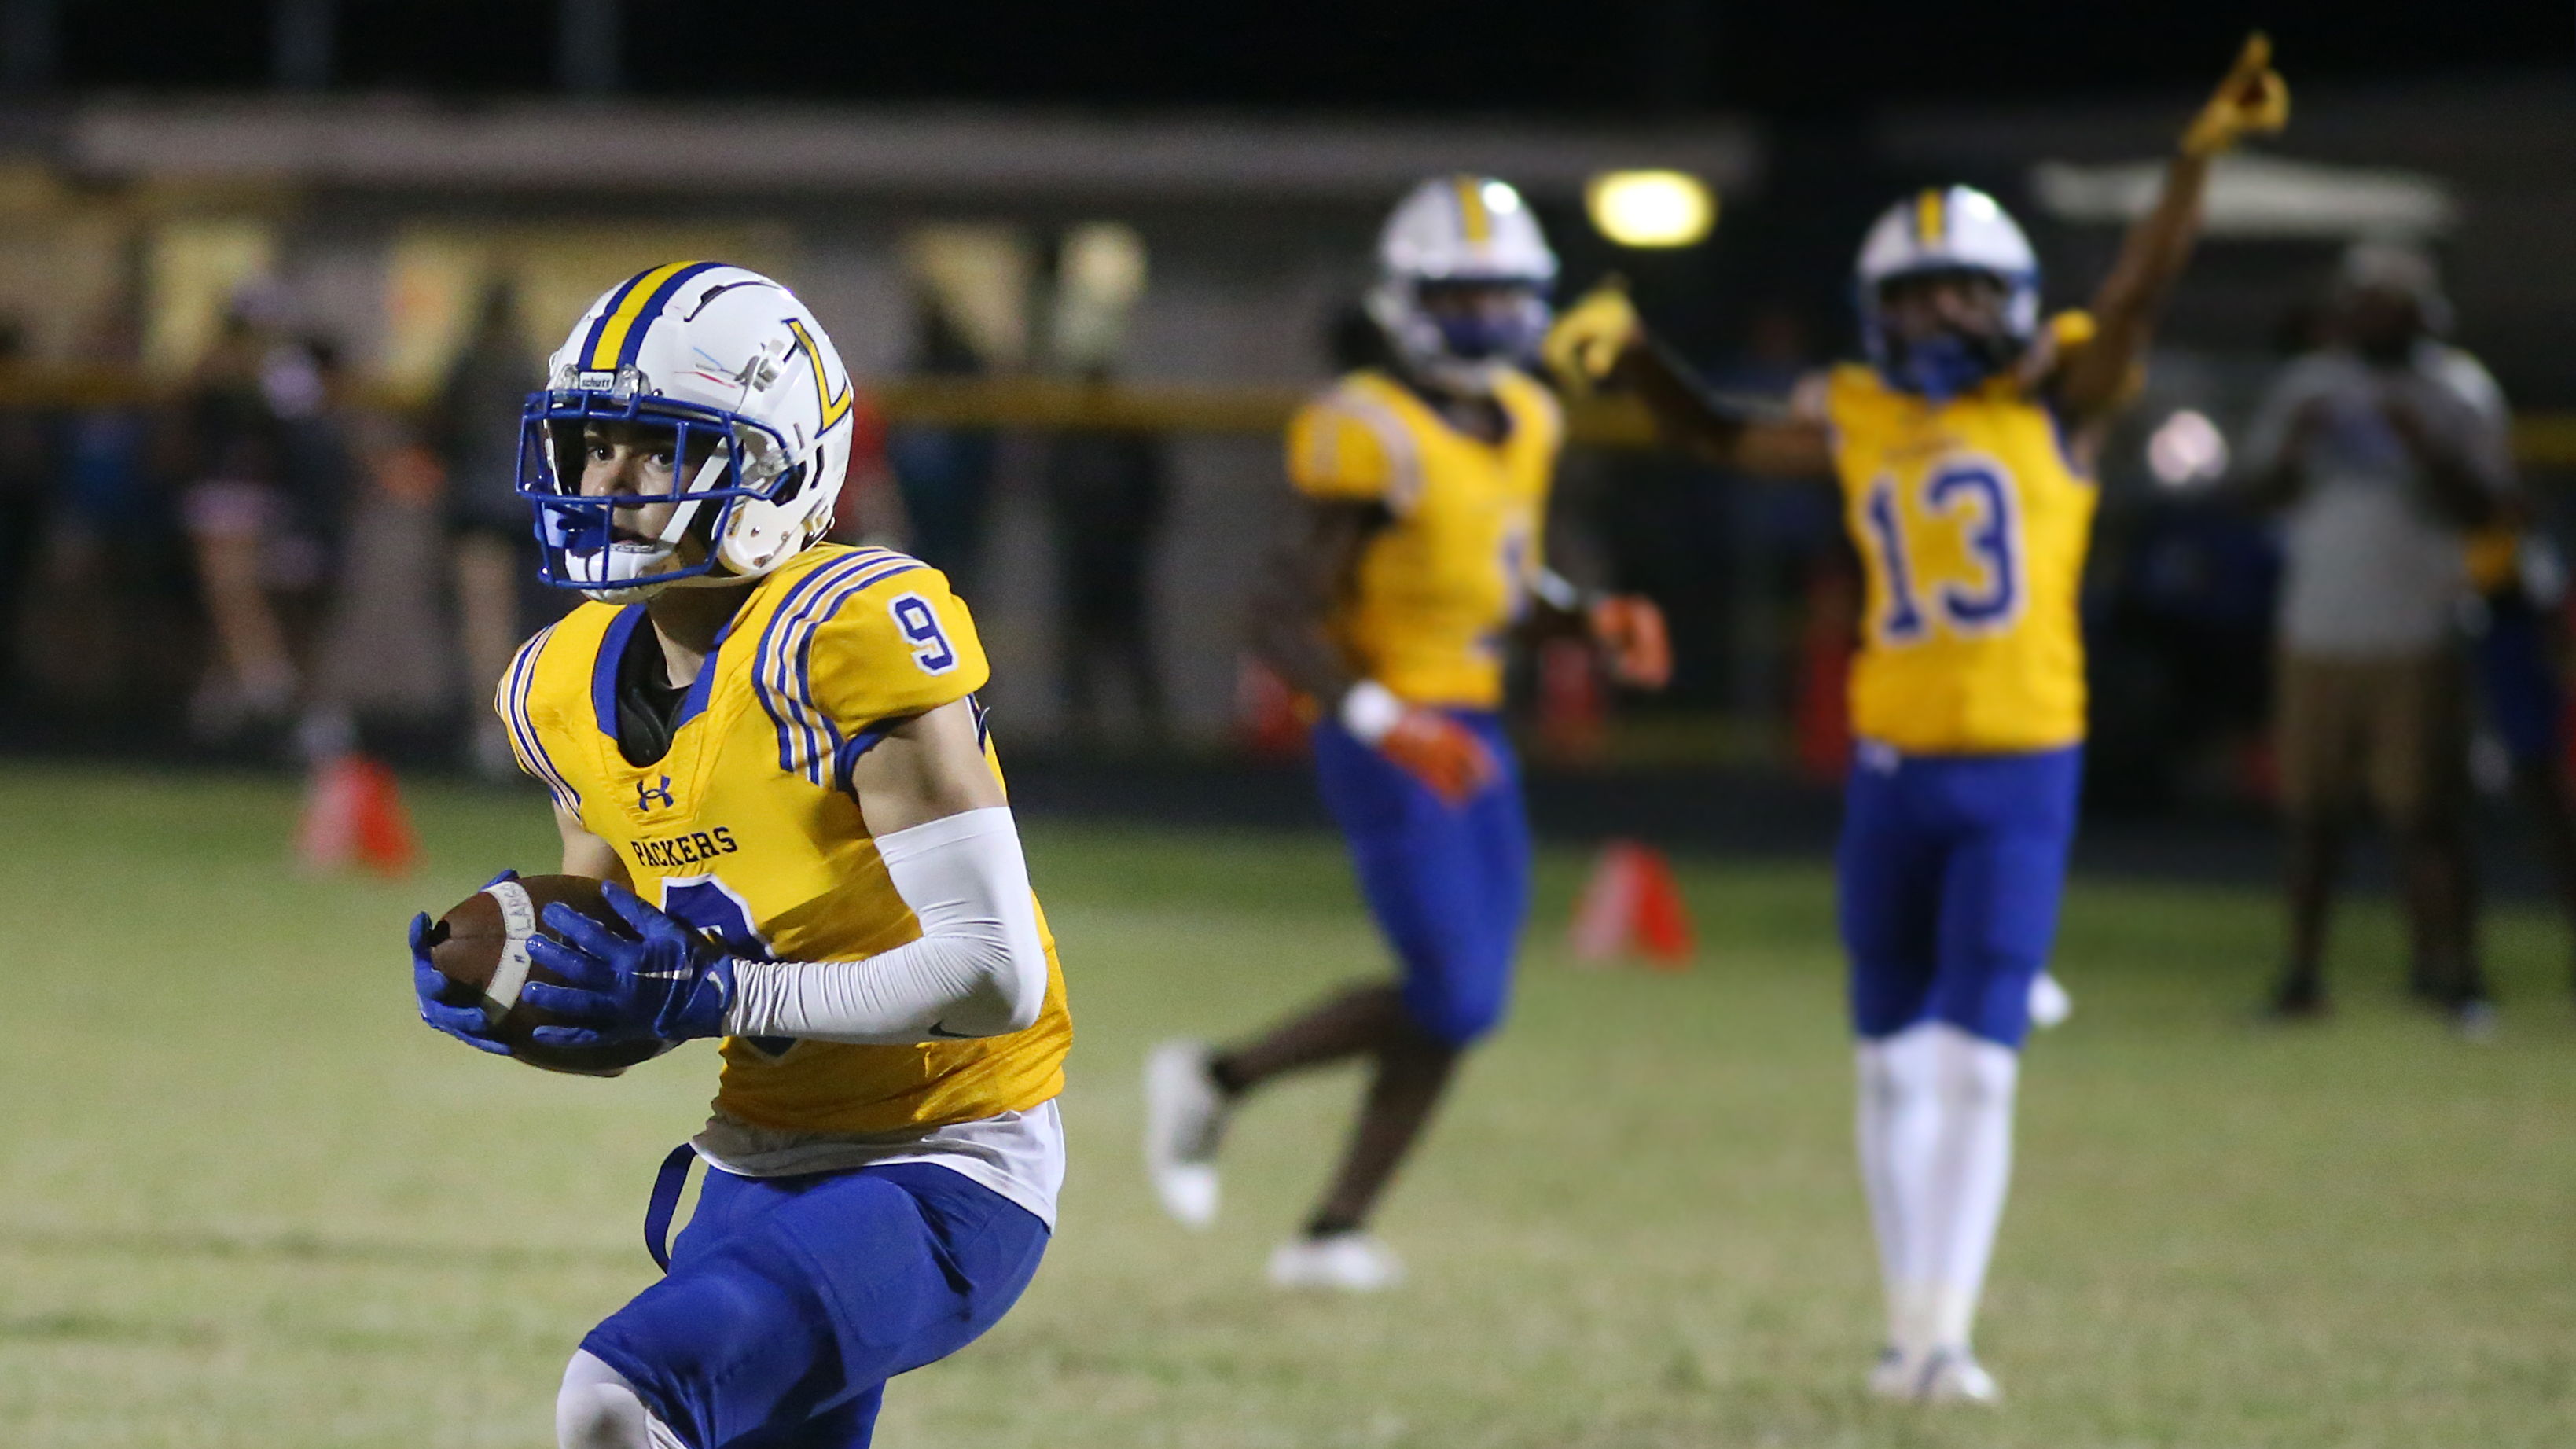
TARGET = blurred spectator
(387,582)
(1104,497)
(25,471)
(112,566)
(474,429)
(945,474)
(2383,449)
(2518,643)
(306,386)
(238,524)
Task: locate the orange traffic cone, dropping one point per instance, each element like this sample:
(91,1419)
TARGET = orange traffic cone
(354,816)
(1632,905)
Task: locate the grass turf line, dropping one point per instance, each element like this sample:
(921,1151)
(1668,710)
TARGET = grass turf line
(252,1202)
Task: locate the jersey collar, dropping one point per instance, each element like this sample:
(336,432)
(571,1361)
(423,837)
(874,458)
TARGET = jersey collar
(612,647)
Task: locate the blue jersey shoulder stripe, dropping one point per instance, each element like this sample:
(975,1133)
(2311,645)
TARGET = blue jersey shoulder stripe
(800,643)
(803,643)
(770,680)
(547,770)
(809,739)
(814,766)
(515,689)
(899,565)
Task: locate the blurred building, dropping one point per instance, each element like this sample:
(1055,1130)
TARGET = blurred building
(381,220)
(385,222)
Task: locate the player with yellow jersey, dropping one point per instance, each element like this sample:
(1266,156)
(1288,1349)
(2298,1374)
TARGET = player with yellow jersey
(1415,555)
(771,753)
(1964,449)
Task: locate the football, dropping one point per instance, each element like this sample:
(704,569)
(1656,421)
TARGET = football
(482,943)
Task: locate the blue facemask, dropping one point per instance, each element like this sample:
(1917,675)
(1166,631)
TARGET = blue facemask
(1946,364)
(1482,336)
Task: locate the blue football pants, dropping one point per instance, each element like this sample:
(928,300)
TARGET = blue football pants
(791,1300)
(1950,870)
(1449,885)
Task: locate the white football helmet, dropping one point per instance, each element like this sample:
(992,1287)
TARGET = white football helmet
(1946,229)
(1462,230)
(741,372)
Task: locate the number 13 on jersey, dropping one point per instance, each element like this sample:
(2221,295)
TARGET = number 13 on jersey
(1947,553)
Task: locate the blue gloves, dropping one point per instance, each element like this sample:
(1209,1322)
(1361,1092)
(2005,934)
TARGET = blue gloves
(667,982)
(454,1009)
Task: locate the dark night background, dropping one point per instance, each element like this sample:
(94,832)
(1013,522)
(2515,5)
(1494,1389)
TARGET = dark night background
(1607,58)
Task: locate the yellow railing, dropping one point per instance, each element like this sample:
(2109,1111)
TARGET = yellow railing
(1041,404)
(1050,404)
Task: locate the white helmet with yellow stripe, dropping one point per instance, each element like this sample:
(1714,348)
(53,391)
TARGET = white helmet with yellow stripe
(1463,276)
(724,372)
(1950,229)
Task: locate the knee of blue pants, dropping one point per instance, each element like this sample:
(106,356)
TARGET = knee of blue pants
(1992,1003)
(1448,885)
(1987,998)
(788,1298)
(1457,1009)
(1951,872)
(1455,925)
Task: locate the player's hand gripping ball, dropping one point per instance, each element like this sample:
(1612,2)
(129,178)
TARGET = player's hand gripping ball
(1583,348)
(473,967)
(2252,101)
(1629,631)
(659,981)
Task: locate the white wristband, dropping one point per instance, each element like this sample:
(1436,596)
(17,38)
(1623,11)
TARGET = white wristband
(1370,711)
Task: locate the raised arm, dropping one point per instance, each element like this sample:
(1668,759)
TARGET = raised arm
(1601,340)
(2097,377)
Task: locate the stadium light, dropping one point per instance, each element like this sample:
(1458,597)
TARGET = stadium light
(1651,208)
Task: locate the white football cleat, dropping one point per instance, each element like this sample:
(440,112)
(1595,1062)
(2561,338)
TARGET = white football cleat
(2049,1003)
(1951,1376)
(1351,1262)
(1184,1121)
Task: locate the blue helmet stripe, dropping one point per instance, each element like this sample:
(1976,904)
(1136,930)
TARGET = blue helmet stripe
(651,311)
(607,311)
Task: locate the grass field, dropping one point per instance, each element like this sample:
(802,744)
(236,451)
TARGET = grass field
(249,1201)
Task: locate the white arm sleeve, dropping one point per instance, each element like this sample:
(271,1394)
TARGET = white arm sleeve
(978,969)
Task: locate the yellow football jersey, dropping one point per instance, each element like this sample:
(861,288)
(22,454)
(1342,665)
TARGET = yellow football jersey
(747,827)
(1439,586)
(1972,525)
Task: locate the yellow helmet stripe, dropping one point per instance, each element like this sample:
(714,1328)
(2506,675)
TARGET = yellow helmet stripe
(1471,209)
(1931,216)
(621,316)
(834,408)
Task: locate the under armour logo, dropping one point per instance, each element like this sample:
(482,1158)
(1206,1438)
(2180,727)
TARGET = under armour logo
(644,794)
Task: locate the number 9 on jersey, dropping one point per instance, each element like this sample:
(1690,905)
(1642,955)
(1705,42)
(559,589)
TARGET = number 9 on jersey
(920,625)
